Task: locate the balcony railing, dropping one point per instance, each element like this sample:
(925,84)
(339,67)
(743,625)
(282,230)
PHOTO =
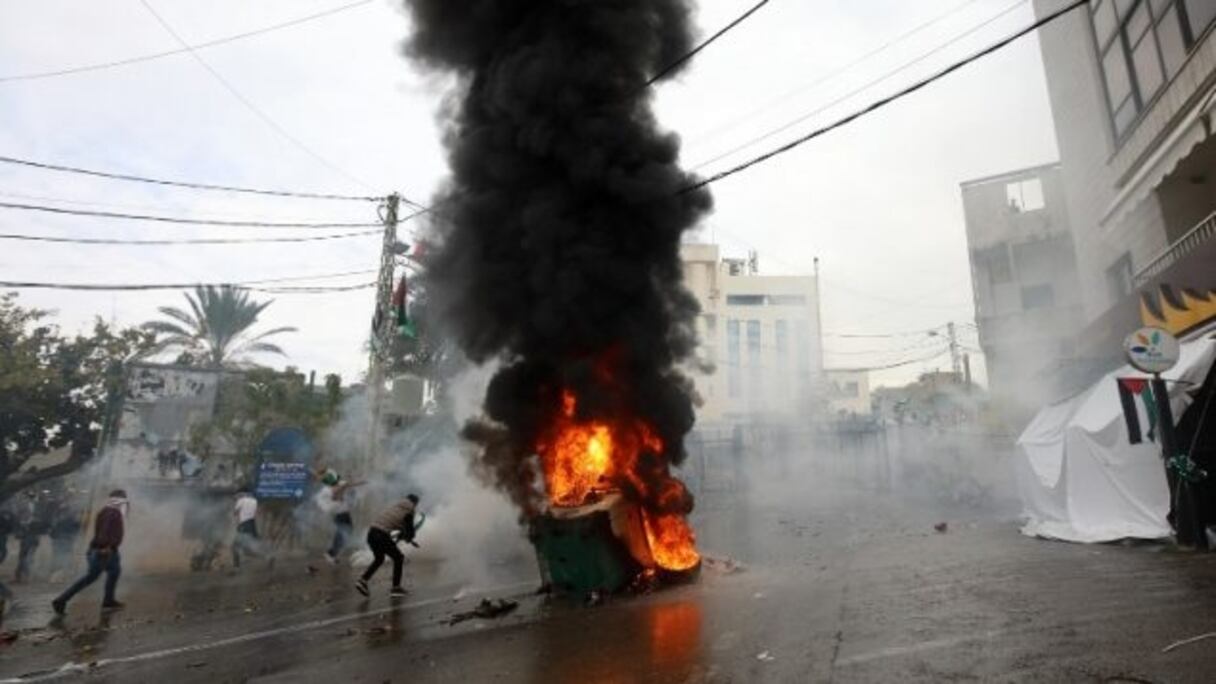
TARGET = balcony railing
(1201,233)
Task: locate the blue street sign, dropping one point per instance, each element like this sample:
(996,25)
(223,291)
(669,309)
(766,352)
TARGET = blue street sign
(281,480)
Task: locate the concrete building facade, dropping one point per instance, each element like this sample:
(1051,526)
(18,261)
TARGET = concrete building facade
(1024,276)
(1132,85)
(848,392)
(760,338)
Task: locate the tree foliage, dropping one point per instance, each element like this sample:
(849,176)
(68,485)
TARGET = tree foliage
(54,389)
(215,331)
(254,402)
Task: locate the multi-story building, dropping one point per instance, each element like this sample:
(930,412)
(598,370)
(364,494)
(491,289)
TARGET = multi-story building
(1024,276)
(848,392)
(760,338)
(1132,85)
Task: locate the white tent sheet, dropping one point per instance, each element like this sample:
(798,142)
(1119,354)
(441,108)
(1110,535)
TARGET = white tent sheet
(1081,480)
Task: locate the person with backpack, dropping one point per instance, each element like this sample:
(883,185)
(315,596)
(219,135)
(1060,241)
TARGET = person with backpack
(396,519)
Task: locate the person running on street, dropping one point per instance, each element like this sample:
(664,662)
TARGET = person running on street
(397,518)
(103,554)
(334,498)
(246,539)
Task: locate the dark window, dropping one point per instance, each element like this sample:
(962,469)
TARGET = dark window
(753,357)
(787,300)
(1038,297)
(999,270)
(1142,44)
(733,359)
(745,300)
(1119,277)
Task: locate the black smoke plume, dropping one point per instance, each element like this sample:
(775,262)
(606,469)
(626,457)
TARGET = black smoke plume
(560,228)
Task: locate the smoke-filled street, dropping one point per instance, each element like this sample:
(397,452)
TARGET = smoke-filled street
(838,578)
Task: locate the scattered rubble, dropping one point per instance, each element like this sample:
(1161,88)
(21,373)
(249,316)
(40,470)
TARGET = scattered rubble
(487,609)
(941,527)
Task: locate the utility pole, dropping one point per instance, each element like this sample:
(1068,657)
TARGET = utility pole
(956,361)
(382,327)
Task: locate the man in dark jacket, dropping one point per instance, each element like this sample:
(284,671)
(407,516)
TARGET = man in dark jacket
(398,518)
(103,554)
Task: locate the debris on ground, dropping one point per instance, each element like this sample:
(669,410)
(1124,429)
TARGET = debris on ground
(196,664)
(941,527)
(765,657)
(7,638)
(723,565)
(487,609)
(1184,642)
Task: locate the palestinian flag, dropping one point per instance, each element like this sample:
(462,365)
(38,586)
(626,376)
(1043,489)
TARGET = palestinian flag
(405,326)
(1131,389)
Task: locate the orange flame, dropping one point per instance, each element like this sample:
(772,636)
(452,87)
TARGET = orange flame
(672,541)
(583,459)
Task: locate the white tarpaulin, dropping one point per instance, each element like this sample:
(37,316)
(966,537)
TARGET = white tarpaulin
(1081,480)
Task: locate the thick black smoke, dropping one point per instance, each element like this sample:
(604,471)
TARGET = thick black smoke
(560,228)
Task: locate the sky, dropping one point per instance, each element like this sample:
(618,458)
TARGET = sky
(331,105)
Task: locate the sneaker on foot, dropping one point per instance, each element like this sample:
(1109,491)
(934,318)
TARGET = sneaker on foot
(330,558)
(361,586)
(397,591)
(59,606)
(113,605)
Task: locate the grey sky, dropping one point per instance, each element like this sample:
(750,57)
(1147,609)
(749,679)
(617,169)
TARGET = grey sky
(878,201)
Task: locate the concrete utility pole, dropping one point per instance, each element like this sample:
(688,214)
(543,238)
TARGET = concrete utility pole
(956,361)
(382,326)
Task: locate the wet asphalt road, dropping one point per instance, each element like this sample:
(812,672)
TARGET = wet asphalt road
(840,585)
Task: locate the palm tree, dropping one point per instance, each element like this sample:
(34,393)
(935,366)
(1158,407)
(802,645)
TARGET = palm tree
(216,329)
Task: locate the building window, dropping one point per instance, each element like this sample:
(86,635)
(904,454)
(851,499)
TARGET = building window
(754,367)
(733,359)
(1025,195)
(1038,297)
(802,340)
(787,300)
(745,300)
(1119,277)
(999,269)
(781,335)
(1142,44)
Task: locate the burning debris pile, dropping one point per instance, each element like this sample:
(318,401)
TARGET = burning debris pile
(559,242)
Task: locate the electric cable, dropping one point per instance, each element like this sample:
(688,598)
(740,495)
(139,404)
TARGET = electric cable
(183,184)
(190,221)
(198,241)
(257,111)
(675,64)
(862,88)
(878,104)
(84,68)
(835,72)
(248,284)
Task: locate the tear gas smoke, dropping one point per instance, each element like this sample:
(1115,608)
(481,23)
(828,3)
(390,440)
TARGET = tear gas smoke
(559,231)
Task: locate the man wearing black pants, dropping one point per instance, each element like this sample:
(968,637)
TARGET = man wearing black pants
(396,518)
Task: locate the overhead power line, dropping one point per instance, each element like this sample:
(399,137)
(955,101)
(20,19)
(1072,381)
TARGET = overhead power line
(246,284)
(884,101)
(240,97)
(838,71)
(703,44)
(899,364)
(184,220)
(860,89)
(198,241)
(84,68)
(184,184)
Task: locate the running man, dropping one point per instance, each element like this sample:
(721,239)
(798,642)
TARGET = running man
(398,518)
(335,498)
(103,554)
(246,538)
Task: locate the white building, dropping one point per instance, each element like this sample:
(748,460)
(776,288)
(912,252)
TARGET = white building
(760,335)
(1024,275)
(1132,85)
(848,392)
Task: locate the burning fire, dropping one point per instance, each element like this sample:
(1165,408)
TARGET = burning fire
(583,460)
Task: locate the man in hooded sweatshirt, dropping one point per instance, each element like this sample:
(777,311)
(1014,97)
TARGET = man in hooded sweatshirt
(103,554)
(398,518)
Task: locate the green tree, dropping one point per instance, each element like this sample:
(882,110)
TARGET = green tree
(252,403)
(215,332)
(55,390)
